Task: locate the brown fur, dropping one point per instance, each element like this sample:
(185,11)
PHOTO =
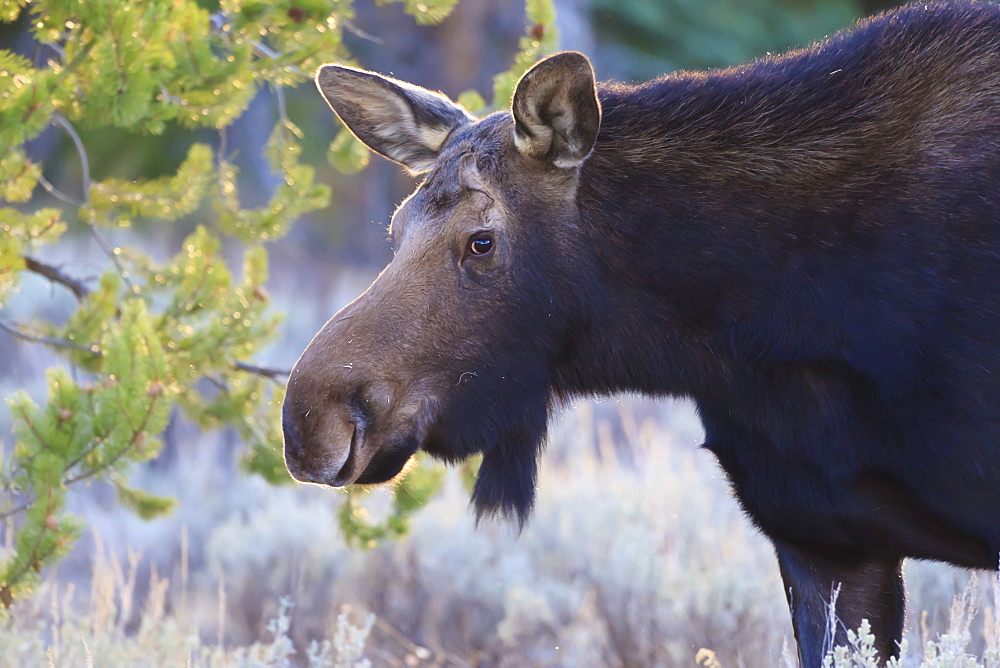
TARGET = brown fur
(808,246)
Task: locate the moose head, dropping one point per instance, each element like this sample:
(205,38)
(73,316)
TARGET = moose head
(463,342)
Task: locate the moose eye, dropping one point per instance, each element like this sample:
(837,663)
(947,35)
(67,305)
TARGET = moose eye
(481,244)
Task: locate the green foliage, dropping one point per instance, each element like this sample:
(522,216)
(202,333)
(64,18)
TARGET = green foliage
(411,493)
(18,176)
(426,11)
(154,337)
(297,193)
(167,198)
(86,430)
(347,154)
(20,234)
(151,337)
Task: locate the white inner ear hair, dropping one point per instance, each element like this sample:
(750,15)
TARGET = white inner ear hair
(391,116)
(392,120)
(432,136)
(541,141)
(537,143)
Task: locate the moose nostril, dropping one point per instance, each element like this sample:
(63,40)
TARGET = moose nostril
(346,466)
(360,411)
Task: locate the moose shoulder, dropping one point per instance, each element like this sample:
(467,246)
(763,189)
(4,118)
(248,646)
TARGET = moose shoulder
(808,246)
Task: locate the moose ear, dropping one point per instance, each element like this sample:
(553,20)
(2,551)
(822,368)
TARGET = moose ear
(403,122)
(556,110)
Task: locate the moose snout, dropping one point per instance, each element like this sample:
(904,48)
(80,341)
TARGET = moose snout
(342,416)
(324,445)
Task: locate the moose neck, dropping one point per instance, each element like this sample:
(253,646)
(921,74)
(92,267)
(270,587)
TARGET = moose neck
(699,188)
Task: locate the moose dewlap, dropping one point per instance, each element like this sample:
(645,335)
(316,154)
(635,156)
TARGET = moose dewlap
(808,246)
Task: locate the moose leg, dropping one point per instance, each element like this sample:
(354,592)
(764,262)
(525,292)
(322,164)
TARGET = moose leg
(869,588)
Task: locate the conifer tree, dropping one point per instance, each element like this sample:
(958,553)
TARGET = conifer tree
(148,335)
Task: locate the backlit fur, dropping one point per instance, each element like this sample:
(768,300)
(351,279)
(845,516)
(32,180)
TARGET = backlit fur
(808,246)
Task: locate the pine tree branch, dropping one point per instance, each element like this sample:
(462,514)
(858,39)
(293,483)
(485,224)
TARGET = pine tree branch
(47,340)
(61,121)
(273,373)
(354,29)
(56,275)
(279,95)
(267,372)
(16,509)
(58,194)
(137,433)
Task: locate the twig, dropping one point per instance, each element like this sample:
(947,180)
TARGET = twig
(170,97)
(279,94)
(34,431)
(56,275)
(60,51)
(103,466)
(39,48)
(61,121)
(217,22)
(16,509)
(353,28)
(268,372)
(58,194)
(223,144)
(95,442)
(49,341)
(33,561)
(108,250)
(264,50)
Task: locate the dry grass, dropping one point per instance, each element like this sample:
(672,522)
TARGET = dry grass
(637,556)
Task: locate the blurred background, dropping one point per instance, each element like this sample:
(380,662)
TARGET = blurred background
(637,554)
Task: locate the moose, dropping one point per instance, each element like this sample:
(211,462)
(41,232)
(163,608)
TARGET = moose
(807,246)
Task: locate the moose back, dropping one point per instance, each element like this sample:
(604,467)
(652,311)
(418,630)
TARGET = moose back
(808,246)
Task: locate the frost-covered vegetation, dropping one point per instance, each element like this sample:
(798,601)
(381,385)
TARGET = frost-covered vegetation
(637,556)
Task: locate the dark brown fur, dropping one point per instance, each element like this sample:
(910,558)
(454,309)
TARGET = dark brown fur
(808,246)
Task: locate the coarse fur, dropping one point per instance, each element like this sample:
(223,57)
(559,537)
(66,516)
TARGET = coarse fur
(808,246)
